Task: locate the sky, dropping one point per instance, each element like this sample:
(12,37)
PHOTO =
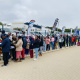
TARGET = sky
(44,12)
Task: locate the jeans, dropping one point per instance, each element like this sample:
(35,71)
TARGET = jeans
(44,46)
(69,43)
(52,43)
(41,47)
(36,52)
(74,43)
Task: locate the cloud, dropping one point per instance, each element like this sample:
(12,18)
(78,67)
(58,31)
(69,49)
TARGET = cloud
(43,12)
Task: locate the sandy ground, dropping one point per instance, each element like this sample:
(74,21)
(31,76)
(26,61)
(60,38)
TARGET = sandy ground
(61,64)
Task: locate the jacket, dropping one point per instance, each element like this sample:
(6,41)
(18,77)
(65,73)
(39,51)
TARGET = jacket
(5,45)
(31,42)
(70,39)
(36,43)
(19,45)
(24,43)
(41,42)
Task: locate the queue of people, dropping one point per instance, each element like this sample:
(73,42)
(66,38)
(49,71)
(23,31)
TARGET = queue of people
(18,47)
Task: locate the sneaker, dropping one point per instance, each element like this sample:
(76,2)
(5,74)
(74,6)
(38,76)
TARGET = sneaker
(22,58)
(4,65)
(35,59)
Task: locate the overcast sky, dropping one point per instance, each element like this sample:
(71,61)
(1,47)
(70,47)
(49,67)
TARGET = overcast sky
(43,12)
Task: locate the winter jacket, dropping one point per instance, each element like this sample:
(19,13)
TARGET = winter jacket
(31,42)
(19,45)
(5,45)
(41,42)
(36,43)
(24,43)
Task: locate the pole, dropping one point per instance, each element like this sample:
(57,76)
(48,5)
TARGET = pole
(57,27)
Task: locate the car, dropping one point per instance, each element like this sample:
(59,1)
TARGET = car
(7,30)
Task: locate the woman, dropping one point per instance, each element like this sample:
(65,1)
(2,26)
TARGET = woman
(28,45)
(31,47)
(60,41)
(56,39)
(52,42)
(14,41)
(41,45)
(48,43)
(44,44)
(19,48)
(36,47)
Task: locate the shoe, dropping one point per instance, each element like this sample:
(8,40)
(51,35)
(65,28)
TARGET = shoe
(23,59)
(35,59)
(4,65)
(40,54)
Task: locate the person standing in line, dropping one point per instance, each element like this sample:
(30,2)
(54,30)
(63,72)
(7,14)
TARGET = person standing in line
(44,44)
(64,41)
(36,47)
(41,46)
(24,47)
(31,47)
(60,41)
(5,49)
(19,48)
(28,45)
(48,43)
(14,41)
(52,42)
(70,40)
(0,48)
(56,39)
(67,40)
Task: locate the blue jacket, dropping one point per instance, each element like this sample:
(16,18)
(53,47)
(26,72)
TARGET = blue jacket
(31,42)
(5,45)
(24,43)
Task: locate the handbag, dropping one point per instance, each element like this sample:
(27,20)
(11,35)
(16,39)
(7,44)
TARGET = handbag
(28,45)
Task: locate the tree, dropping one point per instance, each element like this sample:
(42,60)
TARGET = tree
(55,29)
(67,30)
(1,23)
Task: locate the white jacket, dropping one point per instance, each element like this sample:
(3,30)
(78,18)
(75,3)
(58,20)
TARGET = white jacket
(19,45)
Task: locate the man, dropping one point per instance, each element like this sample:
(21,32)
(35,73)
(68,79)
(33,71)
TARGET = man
(24,47)
(3,32)
(64,41)
(10,36)
(67,40)
(70,40)
(5,49)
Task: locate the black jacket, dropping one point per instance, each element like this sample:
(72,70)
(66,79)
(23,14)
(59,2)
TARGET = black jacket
(36,43)
(41,42)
